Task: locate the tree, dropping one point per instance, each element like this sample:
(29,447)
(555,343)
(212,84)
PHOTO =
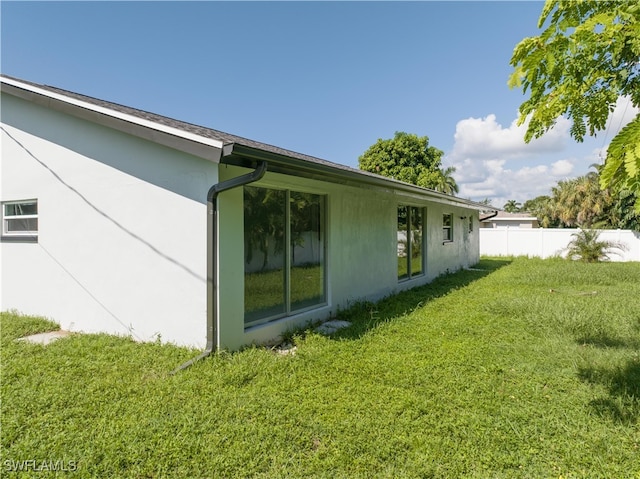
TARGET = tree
(512,206)
(446,182)
(581,202)
(622,215)
(583,61)
(406,157)
(587,246)
(542,208)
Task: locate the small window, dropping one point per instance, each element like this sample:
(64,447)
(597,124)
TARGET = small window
(20,219)
(447,228)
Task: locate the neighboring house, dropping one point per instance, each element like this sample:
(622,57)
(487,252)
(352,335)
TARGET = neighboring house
(511,220)
(122,221)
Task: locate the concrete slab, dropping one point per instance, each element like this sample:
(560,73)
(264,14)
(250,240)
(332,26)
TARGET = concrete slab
(331,327)
(45,338)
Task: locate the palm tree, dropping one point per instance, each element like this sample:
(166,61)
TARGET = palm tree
(446,183)
(586,247)
(512,206)
(581,202)
(542,208)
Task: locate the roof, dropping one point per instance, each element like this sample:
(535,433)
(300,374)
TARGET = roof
(203,141)
(506,216)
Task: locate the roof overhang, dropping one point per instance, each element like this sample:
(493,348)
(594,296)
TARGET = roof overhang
(243,156)
(165,135)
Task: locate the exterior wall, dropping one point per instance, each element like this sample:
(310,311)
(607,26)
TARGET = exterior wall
(548,242)
(122,228)
(361,250)
(122,234)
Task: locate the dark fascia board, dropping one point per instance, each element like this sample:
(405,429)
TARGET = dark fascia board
(109,119)
(247,157)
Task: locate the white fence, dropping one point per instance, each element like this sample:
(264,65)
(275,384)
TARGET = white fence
(548,242)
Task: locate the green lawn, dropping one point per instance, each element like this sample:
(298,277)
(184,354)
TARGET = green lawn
(529,369)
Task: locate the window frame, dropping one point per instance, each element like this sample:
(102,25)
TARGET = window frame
(289,310)
(20,235)
(409,240)
(448,237)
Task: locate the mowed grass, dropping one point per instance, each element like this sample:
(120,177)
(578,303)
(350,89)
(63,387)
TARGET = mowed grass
(528,368)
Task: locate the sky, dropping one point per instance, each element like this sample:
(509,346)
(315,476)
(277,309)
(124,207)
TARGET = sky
(326,79)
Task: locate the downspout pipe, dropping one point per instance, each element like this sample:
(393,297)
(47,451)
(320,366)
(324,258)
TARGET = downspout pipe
(492,215)
(212,256)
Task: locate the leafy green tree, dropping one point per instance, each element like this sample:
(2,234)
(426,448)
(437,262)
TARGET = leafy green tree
(446,182)
(580,202)
(585,59)
(406,157)
(622,215)
(512,206)
(587,246)
(542,208)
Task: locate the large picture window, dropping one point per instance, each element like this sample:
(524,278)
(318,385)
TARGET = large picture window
(284,247)
(20,219)
(410,233)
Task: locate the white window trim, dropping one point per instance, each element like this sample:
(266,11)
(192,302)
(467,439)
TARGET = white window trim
(409,238)
(8,235)
(450,228)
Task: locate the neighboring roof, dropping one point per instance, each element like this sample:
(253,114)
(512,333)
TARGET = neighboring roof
(231,149)
(505,216)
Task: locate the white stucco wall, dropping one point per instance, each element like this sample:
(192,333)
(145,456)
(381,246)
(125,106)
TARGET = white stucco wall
(361,250)
(122,234)
(122,228)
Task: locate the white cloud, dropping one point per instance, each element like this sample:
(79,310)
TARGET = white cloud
(494,162)
(561,168)
(486,138)
(501,184)
(622,114)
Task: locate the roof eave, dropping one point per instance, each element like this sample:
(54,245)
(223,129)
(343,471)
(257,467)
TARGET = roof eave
(247,157)
(188,142)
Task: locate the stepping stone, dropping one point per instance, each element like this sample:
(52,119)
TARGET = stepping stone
(331,327)
(45,338)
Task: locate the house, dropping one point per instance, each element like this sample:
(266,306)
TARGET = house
(512,220)
(122,221)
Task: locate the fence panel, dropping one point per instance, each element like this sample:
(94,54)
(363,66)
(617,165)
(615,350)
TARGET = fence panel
(548,242)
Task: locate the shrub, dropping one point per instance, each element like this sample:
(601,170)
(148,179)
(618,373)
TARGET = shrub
(586,246)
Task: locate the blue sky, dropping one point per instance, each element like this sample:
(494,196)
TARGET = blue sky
(323,78)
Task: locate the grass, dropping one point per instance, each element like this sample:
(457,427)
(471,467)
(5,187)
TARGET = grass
(528,369)
(416,267)
(264,290)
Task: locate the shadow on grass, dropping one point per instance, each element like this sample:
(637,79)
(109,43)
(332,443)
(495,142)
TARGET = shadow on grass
(365,315)
(605,341)
(622,404)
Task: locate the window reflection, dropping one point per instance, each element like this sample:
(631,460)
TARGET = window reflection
(307,250)
(284,252)
(264,233)
(409,248)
